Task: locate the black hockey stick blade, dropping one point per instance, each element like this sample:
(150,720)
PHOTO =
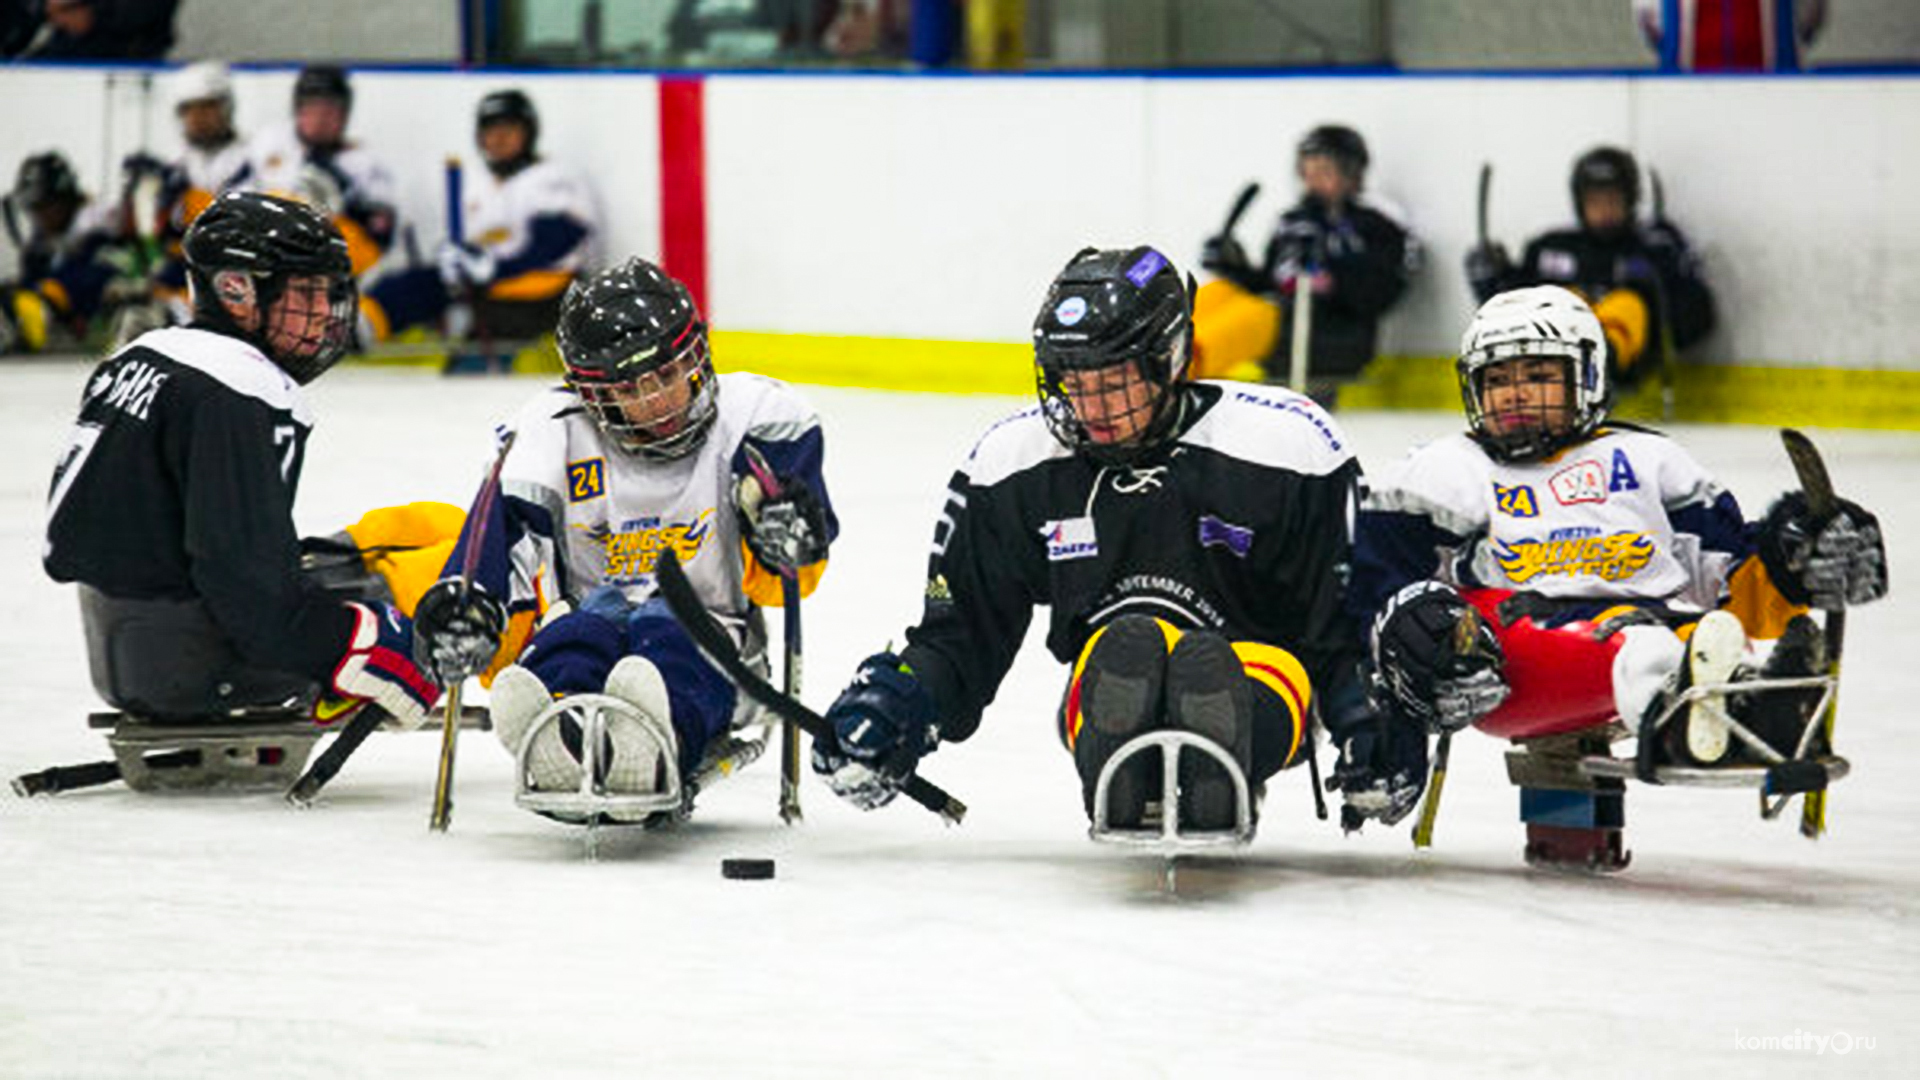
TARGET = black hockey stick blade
(325,767)
(714,643)
(1659,196)
(66,778)
(1811,471)
(1240,204)
(1486,185)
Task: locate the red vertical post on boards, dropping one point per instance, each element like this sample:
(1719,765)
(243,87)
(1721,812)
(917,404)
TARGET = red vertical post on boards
(683,183)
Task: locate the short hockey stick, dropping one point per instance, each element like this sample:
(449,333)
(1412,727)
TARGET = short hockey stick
(1466,635)
(474,530)
(714,643)
(327,765)
(1821,503)
(790,615)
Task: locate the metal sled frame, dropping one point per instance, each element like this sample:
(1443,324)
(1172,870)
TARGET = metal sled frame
(254,750)
(591,802)
(1169,839)
(1776,782)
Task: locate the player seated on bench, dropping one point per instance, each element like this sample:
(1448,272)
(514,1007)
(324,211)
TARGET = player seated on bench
(1608,571)
(529,229)
(172,505)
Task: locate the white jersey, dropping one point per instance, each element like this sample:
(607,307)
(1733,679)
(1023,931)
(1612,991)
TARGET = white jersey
(1626,514)
(278,163)
(499,215)
(592,515)
(210,172)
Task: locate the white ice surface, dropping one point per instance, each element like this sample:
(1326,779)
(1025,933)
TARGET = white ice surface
(205,937)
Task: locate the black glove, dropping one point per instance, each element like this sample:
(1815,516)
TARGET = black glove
(1435,667)
(1828,564)
(883,724)
(1382,769)
(456,635)
(1300,244)
(1224,256)
(1487,266)
(784,532)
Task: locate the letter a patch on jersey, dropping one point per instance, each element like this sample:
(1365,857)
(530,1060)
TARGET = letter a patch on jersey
(586,480)
(1623,478)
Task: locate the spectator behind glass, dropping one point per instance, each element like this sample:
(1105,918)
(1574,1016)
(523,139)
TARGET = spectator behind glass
(1731,35)
(102,30)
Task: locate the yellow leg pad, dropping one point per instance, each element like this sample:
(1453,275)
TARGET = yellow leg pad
(1278,670)
(1233,331)
(1623,315)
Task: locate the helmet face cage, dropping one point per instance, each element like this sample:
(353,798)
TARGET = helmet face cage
(1115,411)
(1543,322)
(308,321)
(289,264)
(660,410)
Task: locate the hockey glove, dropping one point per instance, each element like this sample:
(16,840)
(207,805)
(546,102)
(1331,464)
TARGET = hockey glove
(882,724)
(464,264)
(1225,258)
(784,533)
(1382,769)
(1488,265)
(1436,658)
(456,635)
(1828,564)
(378,666)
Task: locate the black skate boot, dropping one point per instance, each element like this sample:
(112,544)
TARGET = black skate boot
(1699,734)
(1780,717)
(1120,697)
(1208,694)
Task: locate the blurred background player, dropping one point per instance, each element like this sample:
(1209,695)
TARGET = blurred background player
(1189,542)
(1353,253)
(1642,281)
(172,507)
(102,30)
(311,158)
(645,448)
(1591,550)
(531,229)
(1730,35)
(67,256)
(215,155)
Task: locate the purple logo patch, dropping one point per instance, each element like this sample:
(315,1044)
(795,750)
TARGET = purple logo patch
(1143,271)
(1217,533)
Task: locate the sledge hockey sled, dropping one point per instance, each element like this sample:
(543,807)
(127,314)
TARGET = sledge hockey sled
(1161,829)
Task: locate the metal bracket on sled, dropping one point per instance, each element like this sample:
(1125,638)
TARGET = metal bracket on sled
(1777,776)
(1168,837)
(591,802)
(235,754)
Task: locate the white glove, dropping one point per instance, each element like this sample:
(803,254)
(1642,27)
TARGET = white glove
(464,264)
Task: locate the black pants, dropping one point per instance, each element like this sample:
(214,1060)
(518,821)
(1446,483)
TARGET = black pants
(166,659)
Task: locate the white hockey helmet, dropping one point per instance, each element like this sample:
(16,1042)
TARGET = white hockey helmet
(1538,321)
(207,80)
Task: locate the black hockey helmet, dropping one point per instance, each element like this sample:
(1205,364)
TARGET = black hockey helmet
(326,82)
(509,106)
(250,247)
(1116,312)
(635,349)
(46,178)
(1340,143)
(1606,168)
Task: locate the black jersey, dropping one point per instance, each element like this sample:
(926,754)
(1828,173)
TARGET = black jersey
(1241,526)
(1653,260)
(179,483)
(1369,256)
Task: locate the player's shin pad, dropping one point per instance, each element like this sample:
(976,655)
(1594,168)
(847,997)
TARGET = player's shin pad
(1162,829)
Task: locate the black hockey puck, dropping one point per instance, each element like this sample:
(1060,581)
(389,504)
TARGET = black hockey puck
(746,869)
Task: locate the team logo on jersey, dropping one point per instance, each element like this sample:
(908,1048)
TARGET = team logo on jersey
(1070,539)
(1216,533)
(635,547)
(1071,310)
(1516,501)
(1581,482)
(1575,553)
(131,388)
(586,480)
(1558,265)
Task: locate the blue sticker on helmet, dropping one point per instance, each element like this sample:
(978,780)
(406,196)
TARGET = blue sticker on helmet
(1143,271)
(1071,310)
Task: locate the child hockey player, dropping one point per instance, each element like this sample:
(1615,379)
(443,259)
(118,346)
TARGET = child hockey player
(1608,568)
(1188,537)
(644,448)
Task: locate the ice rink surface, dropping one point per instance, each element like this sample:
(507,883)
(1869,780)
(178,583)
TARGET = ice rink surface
(199,937)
